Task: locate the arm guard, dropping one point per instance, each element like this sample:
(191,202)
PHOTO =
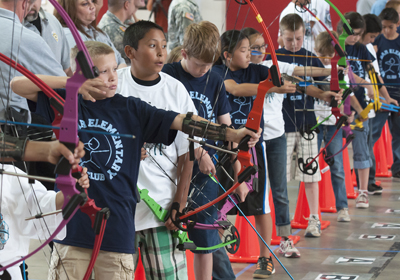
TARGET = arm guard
(203,129)
(12,147)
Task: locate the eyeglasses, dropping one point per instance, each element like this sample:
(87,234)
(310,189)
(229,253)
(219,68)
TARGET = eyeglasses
(258,48)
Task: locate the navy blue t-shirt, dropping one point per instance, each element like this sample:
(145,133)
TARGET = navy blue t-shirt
(210,101)
(389,63)
(113,163)
(241,105)
(354,52)
(296,120)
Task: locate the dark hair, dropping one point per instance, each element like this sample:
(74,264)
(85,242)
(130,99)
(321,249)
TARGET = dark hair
(70,6)
(249,31)
(372,24)
(389,14)
(137,31)
(230,40)
(355,20)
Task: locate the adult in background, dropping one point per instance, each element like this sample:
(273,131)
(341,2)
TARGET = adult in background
(47,26)
(31,51)
(113,21)
(181,14)
(83,15)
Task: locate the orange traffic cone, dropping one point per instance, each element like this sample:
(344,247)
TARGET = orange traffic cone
(326,194)
(380,159)
(347,175)
(276,240)
(249,250)
(139,272)
(303,211)
(387,136)
(189,263)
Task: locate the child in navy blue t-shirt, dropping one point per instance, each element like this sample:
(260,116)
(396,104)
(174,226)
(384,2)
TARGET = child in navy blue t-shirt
(387,46)
(235,68)
(292,29)
(360,59)
(200,48)
(112,163)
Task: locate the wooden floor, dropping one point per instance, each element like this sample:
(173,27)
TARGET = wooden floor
(338,254)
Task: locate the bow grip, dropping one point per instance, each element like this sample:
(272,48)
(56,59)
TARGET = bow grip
(273,71)
(243,146)
(63,166)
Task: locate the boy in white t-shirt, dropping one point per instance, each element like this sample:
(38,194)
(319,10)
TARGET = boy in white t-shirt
(166,172)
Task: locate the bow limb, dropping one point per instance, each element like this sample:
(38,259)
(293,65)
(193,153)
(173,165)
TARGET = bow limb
(184,242)
(72,198)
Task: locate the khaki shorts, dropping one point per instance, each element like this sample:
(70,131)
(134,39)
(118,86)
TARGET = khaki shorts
(70,262)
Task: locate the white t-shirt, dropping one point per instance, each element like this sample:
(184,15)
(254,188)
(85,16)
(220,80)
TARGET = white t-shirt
(274,125)
(168,94)
(19,202)
(322,10)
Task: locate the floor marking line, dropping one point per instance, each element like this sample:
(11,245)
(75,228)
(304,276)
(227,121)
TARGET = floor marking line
(392,252)
(359,250)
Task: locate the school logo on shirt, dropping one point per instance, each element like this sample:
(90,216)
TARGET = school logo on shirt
(357,67)
(389,64)
(239,116)
(104,153)
(55,36)
(205,109)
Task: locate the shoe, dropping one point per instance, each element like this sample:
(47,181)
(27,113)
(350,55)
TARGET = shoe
(343,215)
(374,189)
(396,175)
(265,268)
(287,249)
(362,200)
(314,228)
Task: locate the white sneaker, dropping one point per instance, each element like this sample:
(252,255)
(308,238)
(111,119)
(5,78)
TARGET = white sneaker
(288,250)
(343,215)
(314,228)
(362,200)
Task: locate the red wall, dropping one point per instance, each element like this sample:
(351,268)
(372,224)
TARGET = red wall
(269,10)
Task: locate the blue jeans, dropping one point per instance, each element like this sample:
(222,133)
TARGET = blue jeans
(394,122)
(376,125)
(275,150)
(361,155)
(222,268)
(337,171)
